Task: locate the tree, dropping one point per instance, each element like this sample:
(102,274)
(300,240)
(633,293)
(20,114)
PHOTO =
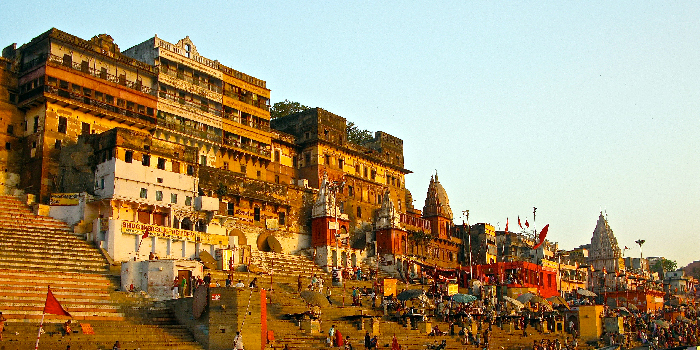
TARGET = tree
(286,107)
(357,136)
(695,272)
(664,265)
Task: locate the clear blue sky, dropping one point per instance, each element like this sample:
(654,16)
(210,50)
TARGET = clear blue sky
(573,108)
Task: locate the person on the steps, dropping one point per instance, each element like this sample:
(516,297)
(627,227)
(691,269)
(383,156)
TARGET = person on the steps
(67,328)
(2,324)
(238,341)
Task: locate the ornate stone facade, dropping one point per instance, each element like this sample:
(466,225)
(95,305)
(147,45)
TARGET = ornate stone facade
(604,252)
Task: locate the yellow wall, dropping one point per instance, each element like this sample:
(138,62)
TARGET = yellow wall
(590,323)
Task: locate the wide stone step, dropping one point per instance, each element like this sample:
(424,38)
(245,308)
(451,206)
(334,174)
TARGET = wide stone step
(38,233)
(42,266)
(19,274)
(85,256)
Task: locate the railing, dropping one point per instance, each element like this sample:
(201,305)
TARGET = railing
(33,63)
(137,85)
(189,103)
(197,82)
(247,100)
(415,221)
(237,144)
(235,118)
(96,103)
(207,135)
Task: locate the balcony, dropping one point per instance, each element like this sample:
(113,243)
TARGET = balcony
(190,104)
(188,130)
(89,104)
(247,100)
(196,82)
(263,150)
(102,74)
(236,119)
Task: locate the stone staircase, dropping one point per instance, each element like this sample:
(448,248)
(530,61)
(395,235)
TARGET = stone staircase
(294,265)
(37,252)
(130,336)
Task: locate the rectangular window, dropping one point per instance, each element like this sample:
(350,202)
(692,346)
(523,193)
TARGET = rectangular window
(328,159)
(277,156)
(230,208)
(173,198)
(340,164)
(188,201)
(351,191)
(307,159)
(146,160)
(144,193)
(128,156)
(36,124)
(243,168)
(57,144)
(277,179)
(8,146)
(10,129)
(85,130)
(176,167)
(258,174)
(256,214)
(190,170)
(281,217)
(359,212)
(225,165)
(161,163)
(203,160)
(159,195)
(102,183)
(62,125)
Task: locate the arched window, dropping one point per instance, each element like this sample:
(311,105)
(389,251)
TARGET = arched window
(186,224)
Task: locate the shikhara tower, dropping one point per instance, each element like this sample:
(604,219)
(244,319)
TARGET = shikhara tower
(604,252)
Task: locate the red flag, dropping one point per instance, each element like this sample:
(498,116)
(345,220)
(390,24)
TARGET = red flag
(519,224)
(145,233)
(527,224)
(53,307)
(542,236)
(506,225)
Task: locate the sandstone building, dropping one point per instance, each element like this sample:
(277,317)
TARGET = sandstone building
(159,150)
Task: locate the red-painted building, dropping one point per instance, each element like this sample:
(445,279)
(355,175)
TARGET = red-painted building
(520,276)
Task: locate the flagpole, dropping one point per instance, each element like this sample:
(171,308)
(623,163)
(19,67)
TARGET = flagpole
(39,334)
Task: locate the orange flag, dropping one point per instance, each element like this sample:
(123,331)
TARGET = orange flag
(53,307)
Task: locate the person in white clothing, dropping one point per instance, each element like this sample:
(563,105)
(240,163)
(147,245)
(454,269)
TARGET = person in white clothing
(238,341)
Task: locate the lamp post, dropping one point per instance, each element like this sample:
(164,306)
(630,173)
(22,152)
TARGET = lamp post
(640,242)
(559,255)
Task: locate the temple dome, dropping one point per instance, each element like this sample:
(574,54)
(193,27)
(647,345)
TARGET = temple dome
(436,201)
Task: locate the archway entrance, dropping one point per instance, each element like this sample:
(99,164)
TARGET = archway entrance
(267,242)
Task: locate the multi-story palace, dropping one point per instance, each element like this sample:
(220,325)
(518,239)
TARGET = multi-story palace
(159,150)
